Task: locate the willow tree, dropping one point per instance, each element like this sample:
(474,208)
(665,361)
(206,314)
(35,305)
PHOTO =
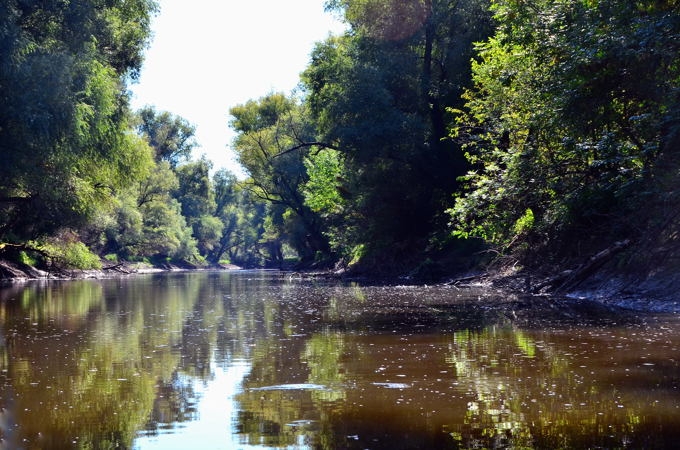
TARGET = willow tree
(64,131)
(172,137)
(273,136)
(196,194)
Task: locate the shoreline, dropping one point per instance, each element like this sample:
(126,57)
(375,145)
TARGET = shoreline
(652,295)
(18,273)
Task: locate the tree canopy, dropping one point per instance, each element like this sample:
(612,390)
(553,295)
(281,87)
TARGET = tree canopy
(540,130)
(63,117)
(572,119)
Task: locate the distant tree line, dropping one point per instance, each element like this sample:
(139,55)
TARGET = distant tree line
(537,129)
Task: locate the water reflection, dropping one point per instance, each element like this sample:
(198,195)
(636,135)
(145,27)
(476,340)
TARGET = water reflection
(255,360)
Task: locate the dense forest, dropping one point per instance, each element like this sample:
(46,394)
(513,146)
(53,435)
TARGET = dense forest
(432,137)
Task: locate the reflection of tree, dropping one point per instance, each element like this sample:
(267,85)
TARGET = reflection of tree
(486,383)
(544,390)
(59,377)
(102,360)
(199,332)
(323,356)
(63,304)
(289,347)
(175,402)
(493,418)
(272,416)
(87,359)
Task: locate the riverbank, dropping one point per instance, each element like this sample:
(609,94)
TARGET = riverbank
(14,272)
(640,291)
(632,290)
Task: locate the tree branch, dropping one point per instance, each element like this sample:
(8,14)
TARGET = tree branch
(6,245)
(15,199)
(306,144)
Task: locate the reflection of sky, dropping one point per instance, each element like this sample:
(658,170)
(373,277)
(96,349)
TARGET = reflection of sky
(216,402)
(298,364)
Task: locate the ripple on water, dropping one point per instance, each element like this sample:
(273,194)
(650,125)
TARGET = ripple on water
(293,387)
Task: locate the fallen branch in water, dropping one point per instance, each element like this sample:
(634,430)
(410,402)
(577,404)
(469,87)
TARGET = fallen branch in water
(118,268)
(466,279)
(569,279)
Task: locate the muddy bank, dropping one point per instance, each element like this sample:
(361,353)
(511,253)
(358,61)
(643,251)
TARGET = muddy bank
(13,272)
(657,292)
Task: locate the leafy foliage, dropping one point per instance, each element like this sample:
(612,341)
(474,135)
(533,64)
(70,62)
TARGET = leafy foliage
(65,251)
(172,137)
(378,94)
(545,132)
(274,134)
(322,191)
(63,118)
(146,222)
(573,105)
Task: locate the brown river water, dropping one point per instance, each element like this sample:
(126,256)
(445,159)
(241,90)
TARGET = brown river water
(260,360)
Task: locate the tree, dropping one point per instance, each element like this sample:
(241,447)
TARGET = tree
(147,222)
(379,95)
(172,137)
(273,137)
(196,195)
(195,192)
(242,217)
(63,117)
(225,188)
(574,105)
(327,194)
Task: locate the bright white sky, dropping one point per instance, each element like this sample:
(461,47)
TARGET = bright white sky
(210,55)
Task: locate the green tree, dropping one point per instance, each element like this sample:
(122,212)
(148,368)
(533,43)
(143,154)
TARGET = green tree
(274,134)
(326,193)
(147,222)
(196,195)
(172,137)
(379,95)
(194,191)
(573,109)
(243,235)
(249,231)
(225,188)
(64,128)
(166,234)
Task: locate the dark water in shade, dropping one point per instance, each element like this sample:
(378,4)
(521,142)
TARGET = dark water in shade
(255,360)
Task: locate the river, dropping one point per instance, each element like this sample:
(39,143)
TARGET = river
(263,360)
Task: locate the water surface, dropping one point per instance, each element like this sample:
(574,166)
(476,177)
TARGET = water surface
(257,360)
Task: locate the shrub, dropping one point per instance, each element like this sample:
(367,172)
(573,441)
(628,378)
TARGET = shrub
(67,252)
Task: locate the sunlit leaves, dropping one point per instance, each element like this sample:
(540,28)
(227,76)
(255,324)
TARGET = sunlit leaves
(321,191)
(379,93)
(274,134)
(388,19)
(64,131)
(172,137)
(567,115)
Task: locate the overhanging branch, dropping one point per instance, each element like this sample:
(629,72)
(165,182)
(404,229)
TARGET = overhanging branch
(15,199)
(321,145)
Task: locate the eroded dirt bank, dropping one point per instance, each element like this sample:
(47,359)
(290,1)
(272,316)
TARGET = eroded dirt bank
(16,272)
(657,291)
